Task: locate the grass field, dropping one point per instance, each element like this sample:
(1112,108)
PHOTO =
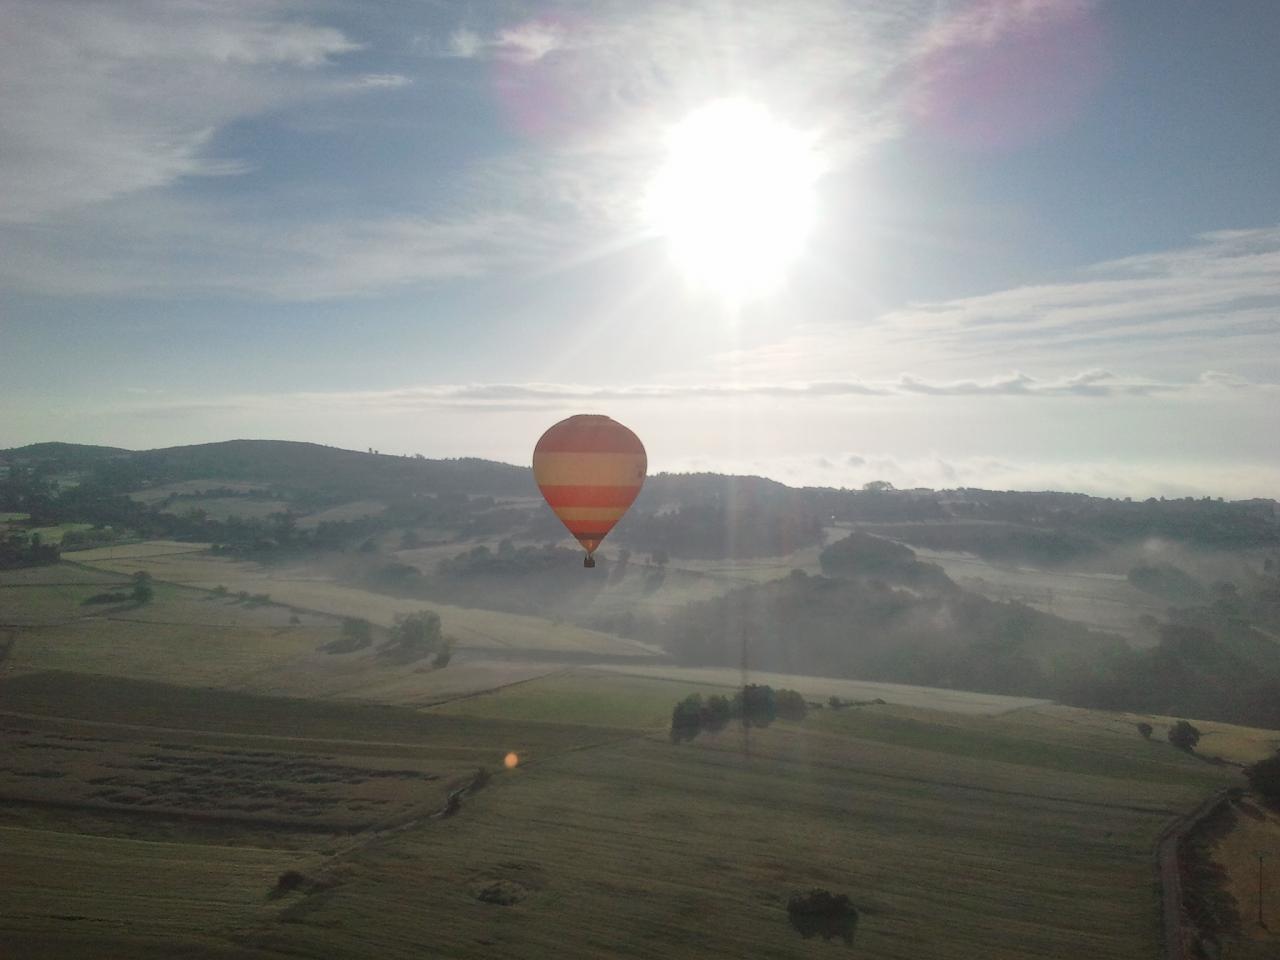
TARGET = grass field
(307,588)
(223,508)
(343,511)
(191,487)
(117,897)
(1102,601)
(958,701)
(581,696)
(644,849)
(143,819)
(148,819)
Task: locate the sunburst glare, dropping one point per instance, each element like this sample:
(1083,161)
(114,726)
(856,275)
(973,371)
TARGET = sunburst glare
(734,198)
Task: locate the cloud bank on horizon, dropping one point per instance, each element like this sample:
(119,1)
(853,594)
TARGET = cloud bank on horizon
(421,230)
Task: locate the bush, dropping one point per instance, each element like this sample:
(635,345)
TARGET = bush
(791,705)
(143,591)
(356,635)
(686,718)
(716,713)
(414,636)
(757,705)
(288,882)
(1264,778)
(1184,736)
(822,913)
(1145,730)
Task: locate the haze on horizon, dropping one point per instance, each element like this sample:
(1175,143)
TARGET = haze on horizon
(1021,245)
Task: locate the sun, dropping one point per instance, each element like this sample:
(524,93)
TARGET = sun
(734,198)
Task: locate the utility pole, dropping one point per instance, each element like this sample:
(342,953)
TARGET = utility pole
(1261,856)
(742,699)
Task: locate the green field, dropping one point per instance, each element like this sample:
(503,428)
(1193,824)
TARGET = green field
(116,897)
(151,797)
(581,696)
(644,849)
(310,588)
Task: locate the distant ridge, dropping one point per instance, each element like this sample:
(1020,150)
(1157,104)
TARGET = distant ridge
(55,448)
(286,464)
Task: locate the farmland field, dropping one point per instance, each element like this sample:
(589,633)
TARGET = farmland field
(641,848)
(136,745)
(958,701)
(1102,601)
(309,589)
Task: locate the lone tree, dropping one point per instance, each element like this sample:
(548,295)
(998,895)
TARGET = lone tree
(143,591)
(824,914)
(1184,736)
(414,636)
(686,718)
(1145,729)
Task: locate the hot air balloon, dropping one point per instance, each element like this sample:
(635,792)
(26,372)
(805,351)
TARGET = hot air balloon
(590,469)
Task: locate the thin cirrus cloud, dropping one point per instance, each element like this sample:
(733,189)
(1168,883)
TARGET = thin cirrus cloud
(1225,284)
(99,101)
(505,396)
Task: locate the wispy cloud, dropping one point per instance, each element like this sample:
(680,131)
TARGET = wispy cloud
(104,100)
(524,44)
(506,396)
(176,248)
(1226,284)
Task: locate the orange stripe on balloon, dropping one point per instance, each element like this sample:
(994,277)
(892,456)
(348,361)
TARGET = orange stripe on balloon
(589,495)
(597,518)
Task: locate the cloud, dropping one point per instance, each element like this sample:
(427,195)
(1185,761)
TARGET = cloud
(174,248)
(1227,284)
(105,100)
(385,80)
(525,43)
(505,397)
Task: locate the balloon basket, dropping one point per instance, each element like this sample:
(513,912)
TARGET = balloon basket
(588,561)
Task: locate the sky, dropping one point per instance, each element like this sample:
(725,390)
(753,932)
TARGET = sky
(1016,244)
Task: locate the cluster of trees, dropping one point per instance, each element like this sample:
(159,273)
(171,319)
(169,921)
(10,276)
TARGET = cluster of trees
(755,705)
(823,913)
(1264,778)
(864,628)
(308,476)
(21,549)
(1167,582)
(865,555)
(716,531)
(415,636)
(999,542)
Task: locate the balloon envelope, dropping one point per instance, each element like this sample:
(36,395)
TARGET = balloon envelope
(590,469)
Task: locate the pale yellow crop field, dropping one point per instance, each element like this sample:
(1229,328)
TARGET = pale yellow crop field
(302,587)
(931,698)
